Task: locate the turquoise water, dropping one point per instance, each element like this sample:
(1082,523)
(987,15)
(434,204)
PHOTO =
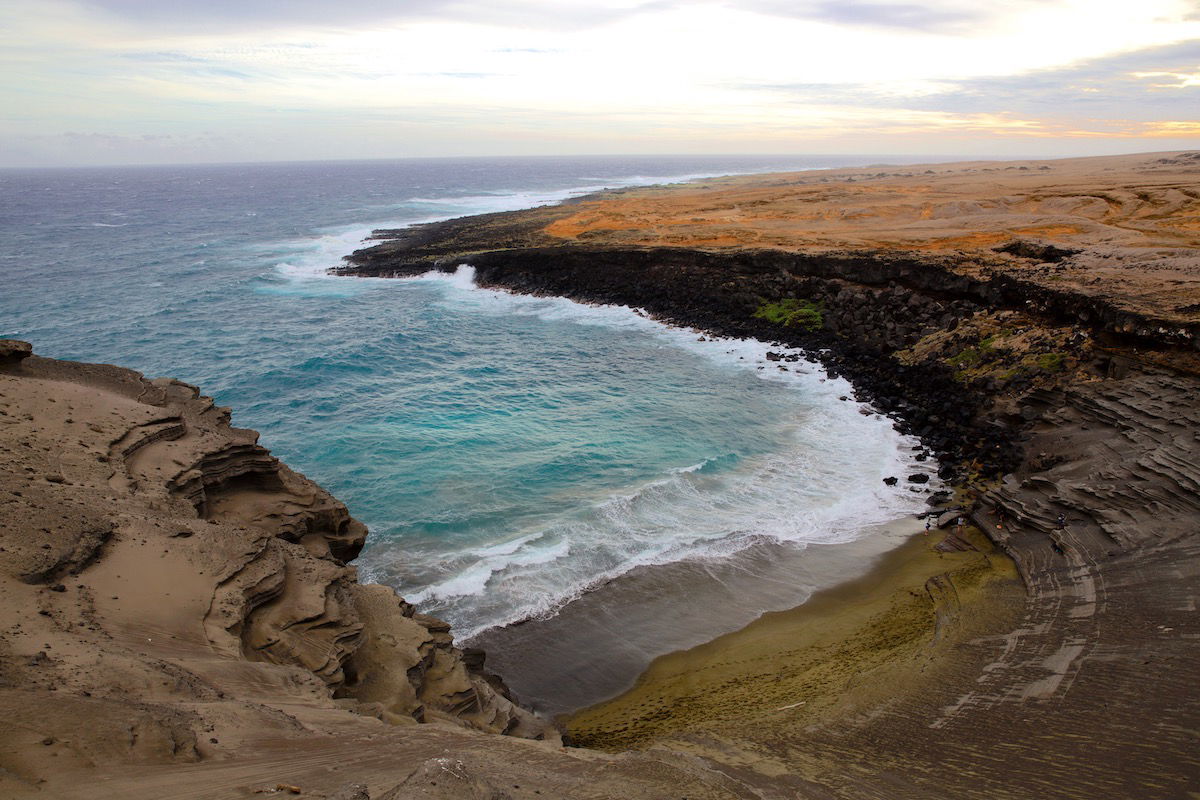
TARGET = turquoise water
(508,453)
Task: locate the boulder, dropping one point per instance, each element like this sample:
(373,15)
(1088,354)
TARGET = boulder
(14,351)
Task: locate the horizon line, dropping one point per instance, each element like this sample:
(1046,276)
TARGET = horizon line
(931,159)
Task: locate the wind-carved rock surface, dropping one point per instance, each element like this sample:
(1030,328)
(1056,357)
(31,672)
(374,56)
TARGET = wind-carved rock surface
(174,595)
(179,619)
(1102,521)
(283,592)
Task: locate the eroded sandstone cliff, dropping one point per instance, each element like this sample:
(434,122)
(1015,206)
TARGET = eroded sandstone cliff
(180,620)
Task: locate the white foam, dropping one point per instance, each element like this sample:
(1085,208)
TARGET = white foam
(312,257)
(462,278)
(693,467)
(823,484)
(473,580)
(513,200)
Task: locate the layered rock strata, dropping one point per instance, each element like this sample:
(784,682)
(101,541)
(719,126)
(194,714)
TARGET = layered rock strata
(180,620)
(1038,327)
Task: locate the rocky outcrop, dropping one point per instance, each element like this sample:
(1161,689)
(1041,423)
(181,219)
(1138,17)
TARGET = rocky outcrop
(14,350)
(283,593)
(1055,379)
(172,589)
(871,305)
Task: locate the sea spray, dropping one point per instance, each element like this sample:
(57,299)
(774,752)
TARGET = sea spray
(508,453)
(819,481)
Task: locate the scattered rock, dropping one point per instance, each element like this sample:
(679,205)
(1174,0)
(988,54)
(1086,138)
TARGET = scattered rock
(351,791)
(14,351)
(938,498)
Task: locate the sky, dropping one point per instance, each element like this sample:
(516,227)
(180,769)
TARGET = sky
(173,81)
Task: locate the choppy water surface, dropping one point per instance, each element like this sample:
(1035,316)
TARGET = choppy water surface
(507,452)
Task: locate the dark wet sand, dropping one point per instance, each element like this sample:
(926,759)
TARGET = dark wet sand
(596,647)
(796,667)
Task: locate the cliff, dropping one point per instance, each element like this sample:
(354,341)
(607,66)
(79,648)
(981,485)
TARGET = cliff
(1037,324)
(179,619)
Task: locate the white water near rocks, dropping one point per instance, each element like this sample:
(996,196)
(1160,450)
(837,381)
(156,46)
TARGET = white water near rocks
(510,454)
(819,481)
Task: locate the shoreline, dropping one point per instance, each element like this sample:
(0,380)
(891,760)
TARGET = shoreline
(821,660)
(550,663)
(1042,346)
(595,647)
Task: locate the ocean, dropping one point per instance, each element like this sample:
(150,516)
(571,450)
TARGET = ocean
(514,457)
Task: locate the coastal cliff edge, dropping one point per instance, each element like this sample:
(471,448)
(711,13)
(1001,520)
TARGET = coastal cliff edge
(1037,324)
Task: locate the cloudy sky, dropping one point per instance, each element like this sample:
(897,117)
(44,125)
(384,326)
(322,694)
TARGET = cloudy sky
(137,81)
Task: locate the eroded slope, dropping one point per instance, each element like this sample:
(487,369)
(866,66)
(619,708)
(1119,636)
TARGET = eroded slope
(179,620)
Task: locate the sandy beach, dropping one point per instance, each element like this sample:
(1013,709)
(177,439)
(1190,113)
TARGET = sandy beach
(878,636)
(596,646)
(181,620)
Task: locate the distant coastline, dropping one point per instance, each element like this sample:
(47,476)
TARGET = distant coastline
(1002,321)
(180,618)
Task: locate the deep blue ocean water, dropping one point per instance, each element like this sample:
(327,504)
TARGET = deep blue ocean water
(508,453)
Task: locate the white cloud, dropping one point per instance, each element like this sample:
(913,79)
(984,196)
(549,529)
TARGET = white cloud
(533,74)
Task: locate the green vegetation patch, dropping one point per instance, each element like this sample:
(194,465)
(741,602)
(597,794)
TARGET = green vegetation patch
(971,359)
(791,312)
(1052,362)
(967,358)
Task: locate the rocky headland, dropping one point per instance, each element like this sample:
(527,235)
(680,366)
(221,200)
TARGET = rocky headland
(1037,324)
(180,618)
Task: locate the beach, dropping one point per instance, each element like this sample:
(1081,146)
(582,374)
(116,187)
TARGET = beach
(597,645)
(185,615)
(882,635)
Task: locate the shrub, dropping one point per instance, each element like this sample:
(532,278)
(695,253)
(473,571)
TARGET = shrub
(1052,362)
(791,312)
(966,358)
